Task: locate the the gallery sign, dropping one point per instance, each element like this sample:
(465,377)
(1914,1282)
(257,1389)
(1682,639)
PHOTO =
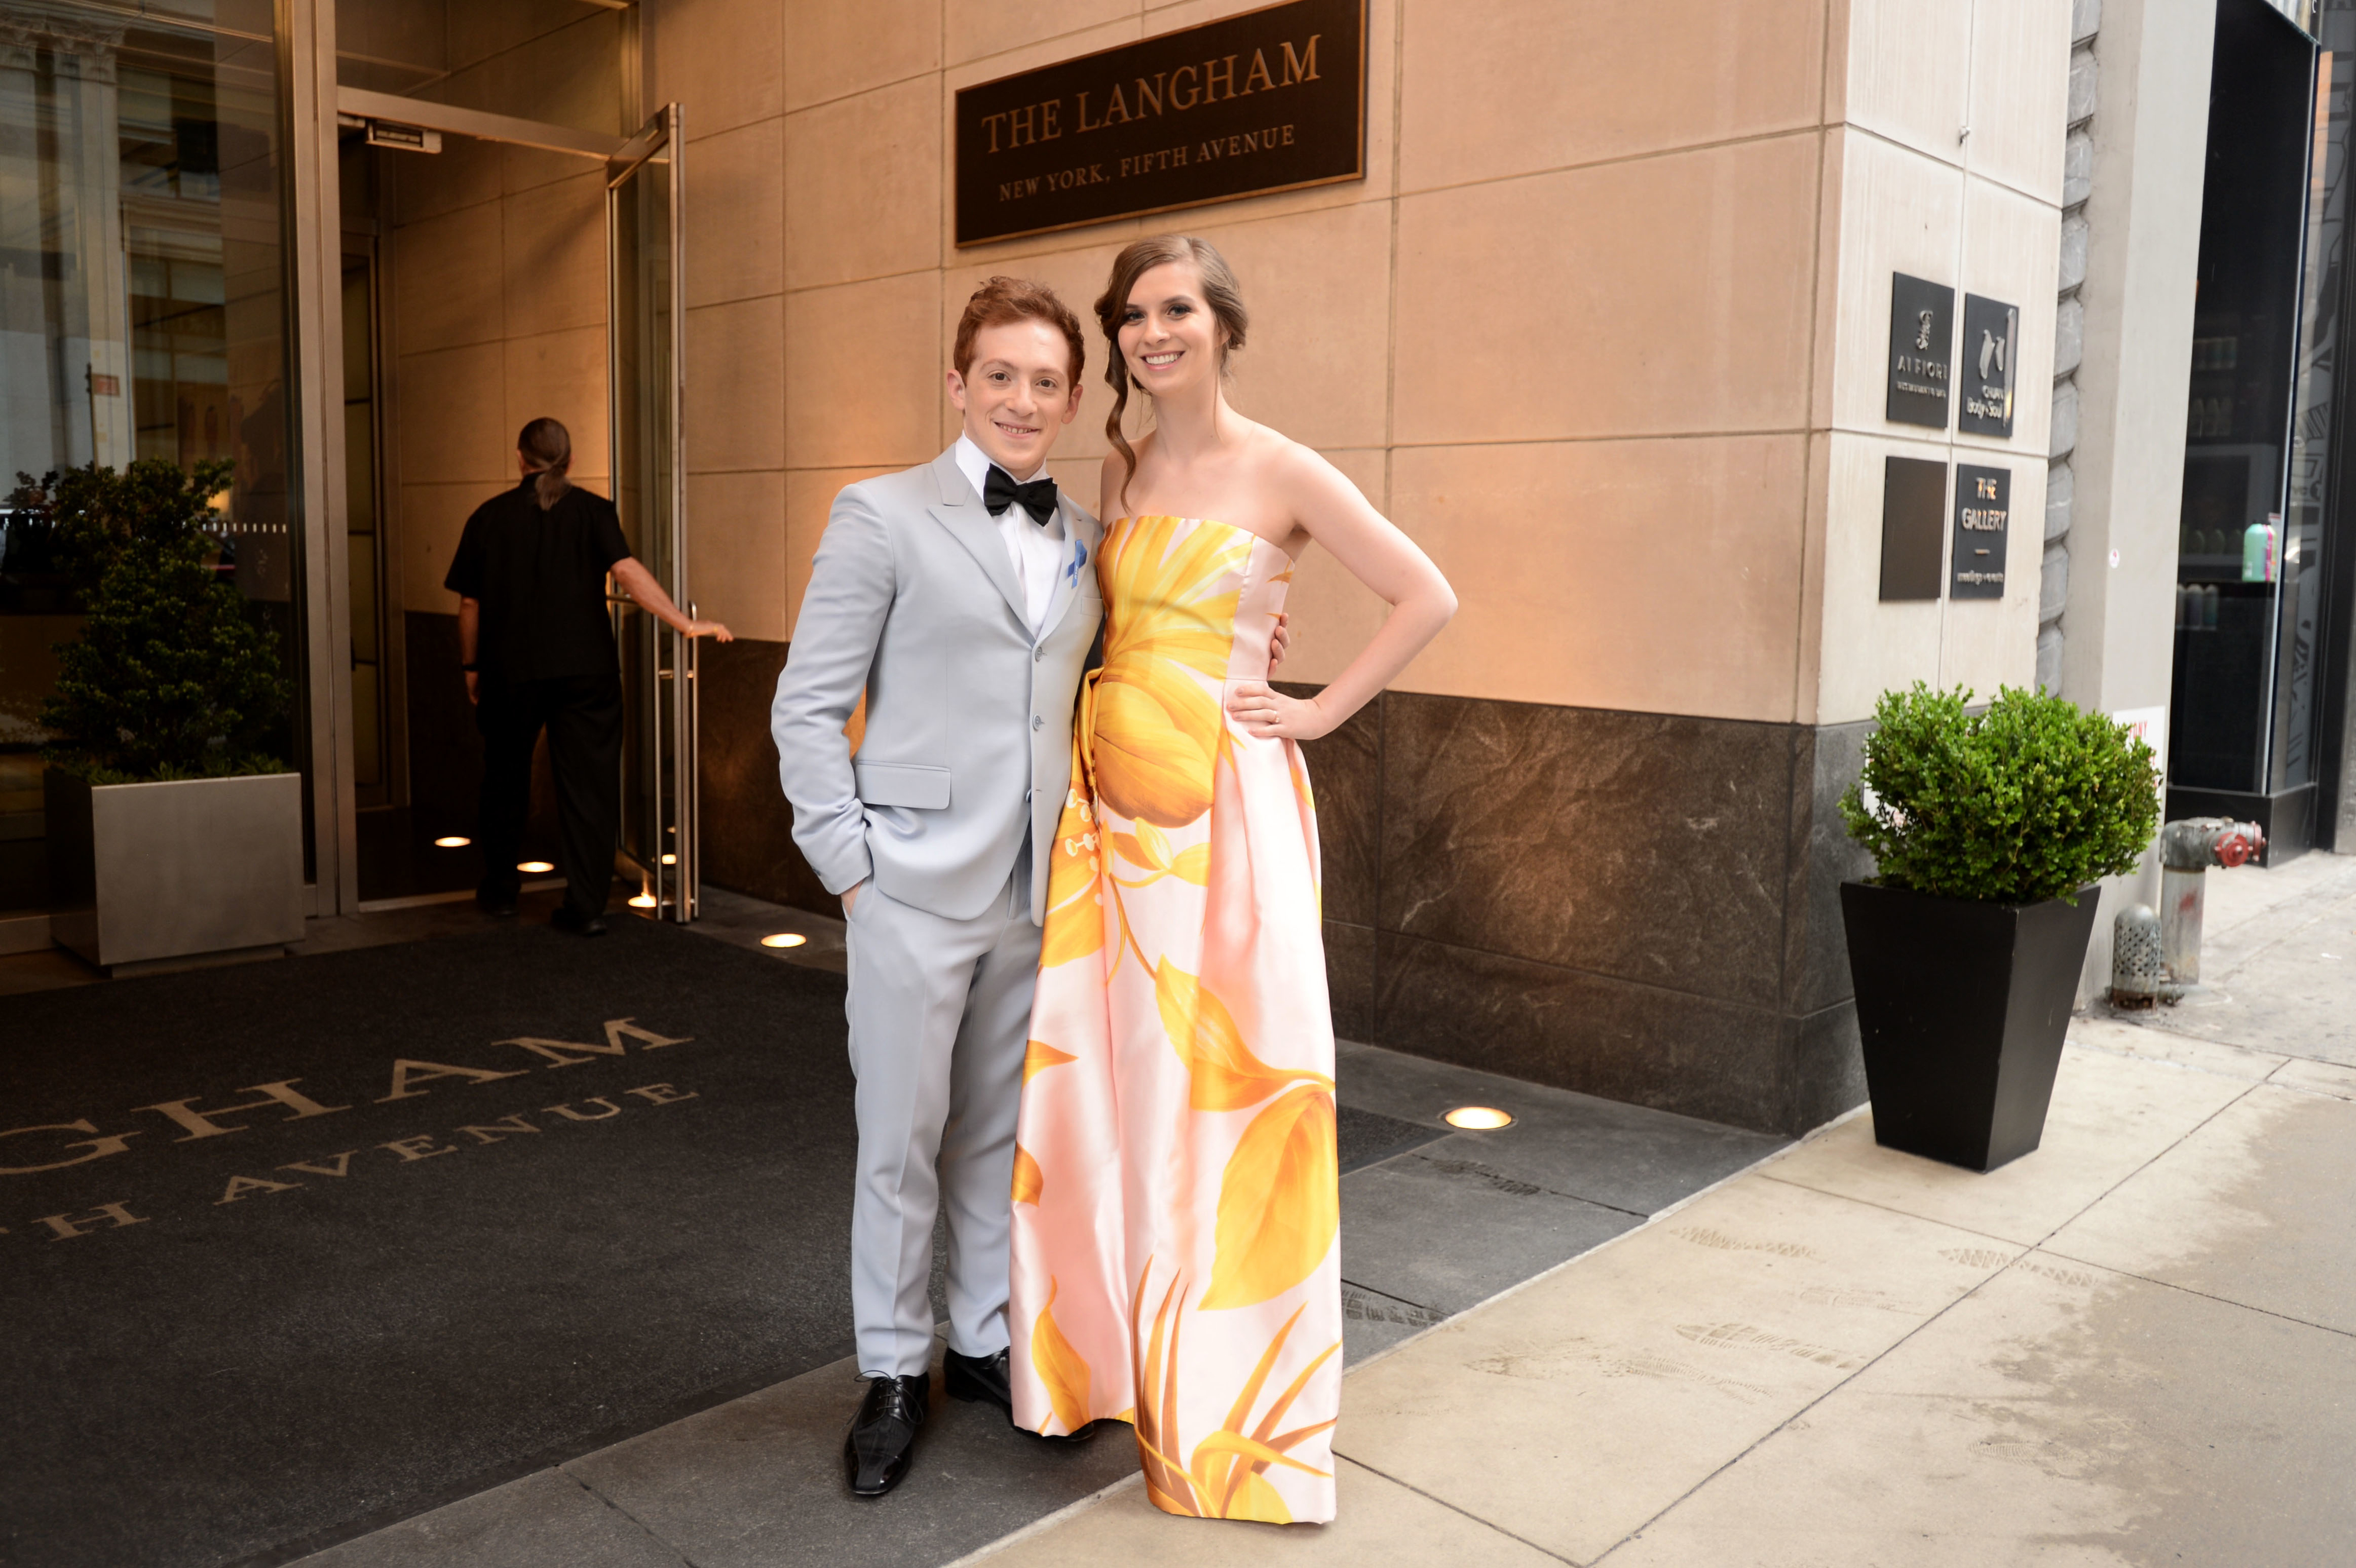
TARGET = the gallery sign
(1272,100)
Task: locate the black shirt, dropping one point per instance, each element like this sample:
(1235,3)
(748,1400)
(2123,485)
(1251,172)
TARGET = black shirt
(540,579)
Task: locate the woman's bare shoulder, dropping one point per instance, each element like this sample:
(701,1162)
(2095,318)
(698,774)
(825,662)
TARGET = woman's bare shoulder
(1285,463)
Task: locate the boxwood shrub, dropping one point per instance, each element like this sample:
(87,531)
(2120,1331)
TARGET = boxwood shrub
(2029,800)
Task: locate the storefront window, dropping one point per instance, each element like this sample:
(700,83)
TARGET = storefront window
(2258,416)
(142,315)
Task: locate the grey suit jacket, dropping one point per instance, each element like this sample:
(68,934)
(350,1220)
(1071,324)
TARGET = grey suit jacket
(969,737)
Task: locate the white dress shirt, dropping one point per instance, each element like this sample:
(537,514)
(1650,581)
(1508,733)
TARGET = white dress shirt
(1037,552)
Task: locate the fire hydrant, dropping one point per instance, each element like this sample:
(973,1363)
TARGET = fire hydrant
(2186,850)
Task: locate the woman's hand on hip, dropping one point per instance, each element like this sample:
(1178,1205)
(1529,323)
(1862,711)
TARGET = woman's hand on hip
(1267,713)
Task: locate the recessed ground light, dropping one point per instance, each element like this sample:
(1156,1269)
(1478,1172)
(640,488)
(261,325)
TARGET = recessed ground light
(643,901)
(1477,1117)
(454,841)
(784,939)
(533,867)
(670,860)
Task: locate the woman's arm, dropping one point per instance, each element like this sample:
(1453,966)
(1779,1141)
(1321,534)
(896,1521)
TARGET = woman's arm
(1332,512)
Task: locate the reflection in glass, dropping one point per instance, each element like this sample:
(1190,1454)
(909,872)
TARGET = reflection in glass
(142,315)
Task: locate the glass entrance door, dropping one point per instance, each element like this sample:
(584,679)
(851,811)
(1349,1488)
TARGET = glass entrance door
(644,328)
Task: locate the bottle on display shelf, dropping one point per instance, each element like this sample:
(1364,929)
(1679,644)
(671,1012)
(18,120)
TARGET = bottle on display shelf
(2258,549)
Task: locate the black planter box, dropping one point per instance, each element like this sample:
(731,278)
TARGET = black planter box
(1961,1006)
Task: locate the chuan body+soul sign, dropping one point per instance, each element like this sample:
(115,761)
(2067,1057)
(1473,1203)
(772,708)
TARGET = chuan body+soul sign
(1272,100)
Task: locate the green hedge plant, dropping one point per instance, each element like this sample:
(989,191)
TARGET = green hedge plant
(172,676)
(2030,800)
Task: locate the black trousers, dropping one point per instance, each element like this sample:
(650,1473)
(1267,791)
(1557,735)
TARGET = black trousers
(583,715)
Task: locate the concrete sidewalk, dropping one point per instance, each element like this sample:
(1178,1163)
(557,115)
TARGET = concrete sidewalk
(2135,1346)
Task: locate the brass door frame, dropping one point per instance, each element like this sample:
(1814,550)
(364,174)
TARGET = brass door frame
(666,733)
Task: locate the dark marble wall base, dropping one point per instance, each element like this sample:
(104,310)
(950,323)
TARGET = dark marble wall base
(1643,907)
(1638,906)
(748,829)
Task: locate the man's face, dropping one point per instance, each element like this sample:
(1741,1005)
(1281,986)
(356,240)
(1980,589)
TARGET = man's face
(1017,394)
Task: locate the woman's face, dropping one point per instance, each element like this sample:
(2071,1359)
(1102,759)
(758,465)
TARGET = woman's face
(1169,338)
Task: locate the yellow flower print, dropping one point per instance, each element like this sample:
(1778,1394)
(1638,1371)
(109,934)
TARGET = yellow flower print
(1157,725)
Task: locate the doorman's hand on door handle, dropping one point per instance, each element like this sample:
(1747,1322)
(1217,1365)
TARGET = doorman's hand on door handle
(648,595)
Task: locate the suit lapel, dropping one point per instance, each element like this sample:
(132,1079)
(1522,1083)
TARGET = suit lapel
(959,510)
(1081,537)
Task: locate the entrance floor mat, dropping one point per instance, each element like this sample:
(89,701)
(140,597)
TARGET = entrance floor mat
(290,1250)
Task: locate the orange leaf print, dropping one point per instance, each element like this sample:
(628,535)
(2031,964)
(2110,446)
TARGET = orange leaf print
(1075,910)
(1039,1057)
(1063,1369)
(1280,1201)
(1029,1181)
(1226,1075)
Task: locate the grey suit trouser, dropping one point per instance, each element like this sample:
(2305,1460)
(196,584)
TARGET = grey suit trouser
(940,1017)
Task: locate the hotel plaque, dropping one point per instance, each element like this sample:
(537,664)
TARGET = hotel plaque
(1991,338)
(1921,335)
(1913,499)
(1272,100)
(1983,509)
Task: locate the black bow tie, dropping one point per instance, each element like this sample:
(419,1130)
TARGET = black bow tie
(1038,498)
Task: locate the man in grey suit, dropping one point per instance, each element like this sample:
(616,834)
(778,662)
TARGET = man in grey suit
(960,598)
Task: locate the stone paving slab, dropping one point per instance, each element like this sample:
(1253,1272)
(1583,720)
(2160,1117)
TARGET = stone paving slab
(546,1519)
(2061,1414)
(2110,1115)
(1379,1524)
(2233,1211)
(1839,1359)
(1575,1410)
(1450,1233)
(758,1481)
(2277,961)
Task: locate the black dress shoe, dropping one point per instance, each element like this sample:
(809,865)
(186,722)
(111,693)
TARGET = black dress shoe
(883,1434)
(973,1378)
(498,904)
(986,1378)
(568,919)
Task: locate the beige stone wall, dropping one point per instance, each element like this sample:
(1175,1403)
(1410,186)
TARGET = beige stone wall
(1944,160)
(1602,328)
(496,262)
(494,258)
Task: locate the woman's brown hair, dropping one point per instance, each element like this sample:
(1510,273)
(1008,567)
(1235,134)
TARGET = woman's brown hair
(549,445)
(1219,292)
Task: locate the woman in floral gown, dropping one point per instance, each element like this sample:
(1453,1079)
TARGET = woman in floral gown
(1176,1199)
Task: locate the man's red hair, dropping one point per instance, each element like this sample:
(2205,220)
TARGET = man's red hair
(1003,299)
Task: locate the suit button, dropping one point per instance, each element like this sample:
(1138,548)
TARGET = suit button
(1038,653)
(1038,720)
